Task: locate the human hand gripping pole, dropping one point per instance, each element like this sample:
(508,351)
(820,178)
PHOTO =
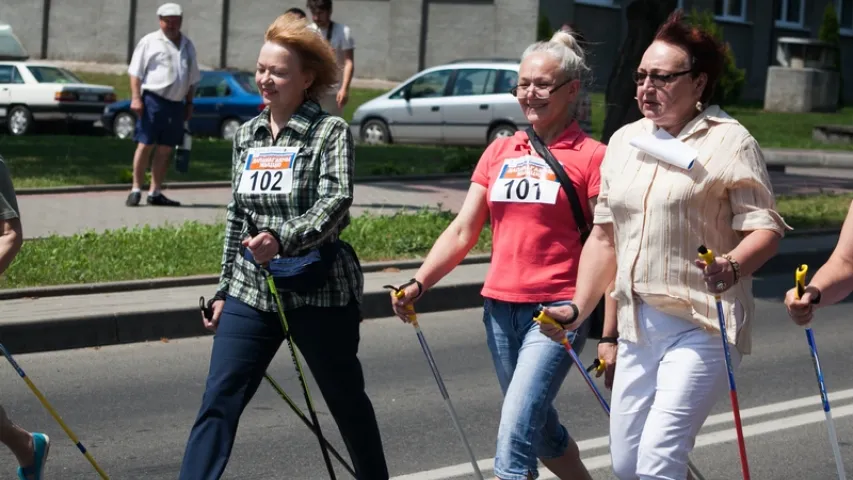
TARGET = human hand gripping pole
(708,257)
(413,319)
(52,412)
(599,365)
(800,278)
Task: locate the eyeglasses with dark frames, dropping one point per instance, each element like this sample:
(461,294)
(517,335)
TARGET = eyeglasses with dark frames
(658,80)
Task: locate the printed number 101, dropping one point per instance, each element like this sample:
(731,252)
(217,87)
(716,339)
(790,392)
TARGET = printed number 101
(522,189)
(266,180)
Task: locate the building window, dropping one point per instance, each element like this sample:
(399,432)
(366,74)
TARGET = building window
(845,16)
(604,3)
(790,13)
(730,10)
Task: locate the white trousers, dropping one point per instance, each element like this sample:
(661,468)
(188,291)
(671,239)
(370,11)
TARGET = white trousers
(664,388)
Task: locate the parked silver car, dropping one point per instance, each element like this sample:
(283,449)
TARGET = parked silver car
(466,102)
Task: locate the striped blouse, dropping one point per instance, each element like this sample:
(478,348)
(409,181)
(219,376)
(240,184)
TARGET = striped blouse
(661,214)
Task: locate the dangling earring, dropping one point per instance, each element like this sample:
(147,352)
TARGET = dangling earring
(699,106)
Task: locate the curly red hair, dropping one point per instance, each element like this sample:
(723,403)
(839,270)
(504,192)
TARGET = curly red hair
(707,54)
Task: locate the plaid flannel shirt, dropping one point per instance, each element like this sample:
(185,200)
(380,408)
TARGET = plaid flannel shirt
(314,213)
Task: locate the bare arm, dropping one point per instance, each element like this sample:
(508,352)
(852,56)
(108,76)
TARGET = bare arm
(135,87)
(835,278)
(596,271)
(11,239)
(349,69)
(457,239)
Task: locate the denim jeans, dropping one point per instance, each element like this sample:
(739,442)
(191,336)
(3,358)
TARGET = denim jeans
(530,369)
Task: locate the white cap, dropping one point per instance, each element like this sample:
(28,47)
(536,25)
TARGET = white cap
(169,10)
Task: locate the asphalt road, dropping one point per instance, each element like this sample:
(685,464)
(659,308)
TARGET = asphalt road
(133,405)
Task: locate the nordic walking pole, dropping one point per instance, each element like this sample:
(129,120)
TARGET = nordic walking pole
(253,231)
(800,277)
(414,319)
(53,413)
(708,257)
(541,317)
(305,420)
(208,313)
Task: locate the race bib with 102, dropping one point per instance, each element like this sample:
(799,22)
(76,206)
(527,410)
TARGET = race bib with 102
(268,171)
(526,180)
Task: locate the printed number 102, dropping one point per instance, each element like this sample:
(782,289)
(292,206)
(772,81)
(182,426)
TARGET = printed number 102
(266,180)
(522,189)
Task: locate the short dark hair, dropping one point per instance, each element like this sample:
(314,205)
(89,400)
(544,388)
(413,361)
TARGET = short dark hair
(319,5)
(707,54)
(296,11)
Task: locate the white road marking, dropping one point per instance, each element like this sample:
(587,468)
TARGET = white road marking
(712,438)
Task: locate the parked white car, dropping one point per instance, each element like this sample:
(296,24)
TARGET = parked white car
(38,92)
(461,103)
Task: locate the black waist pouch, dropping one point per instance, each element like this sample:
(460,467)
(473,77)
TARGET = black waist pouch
(302,274)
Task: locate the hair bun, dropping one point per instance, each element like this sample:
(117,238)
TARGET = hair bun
(568,39)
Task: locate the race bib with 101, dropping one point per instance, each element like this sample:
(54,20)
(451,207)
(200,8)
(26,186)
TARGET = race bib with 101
(268,171)
(526,180)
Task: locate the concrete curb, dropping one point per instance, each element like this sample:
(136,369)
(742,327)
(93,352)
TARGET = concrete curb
(791,157)
(113,329)
(178,282)
(121,187)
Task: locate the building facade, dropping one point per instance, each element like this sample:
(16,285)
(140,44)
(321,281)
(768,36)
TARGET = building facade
(397,38)
(751,27)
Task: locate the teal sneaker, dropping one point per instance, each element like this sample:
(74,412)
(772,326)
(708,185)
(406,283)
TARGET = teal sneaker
(41,447)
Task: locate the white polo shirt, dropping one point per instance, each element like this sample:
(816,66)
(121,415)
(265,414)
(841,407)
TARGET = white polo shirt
(341,40)
(165,69)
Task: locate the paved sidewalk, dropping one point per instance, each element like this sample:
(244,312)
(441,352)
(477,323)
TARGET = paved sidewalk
(69,213)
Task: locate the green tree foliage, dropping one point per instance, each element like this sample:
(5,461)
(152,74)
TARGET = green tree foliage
(731,82)
(543,29)
(829,33)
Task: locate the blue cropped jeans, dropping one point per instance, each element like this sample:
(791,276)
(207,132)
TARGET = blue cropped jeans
(530,369)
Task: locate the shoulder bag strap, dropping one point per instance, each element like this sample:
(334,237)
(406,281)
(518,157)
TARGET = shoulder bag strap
(546,155)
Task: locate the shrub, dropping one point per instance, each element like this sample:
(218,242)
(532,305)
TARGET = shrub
(829,33)
(543,29)
(730,85)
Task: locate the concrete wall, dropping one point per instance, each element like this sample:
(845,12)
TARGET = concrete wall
(25,17)
(394,38)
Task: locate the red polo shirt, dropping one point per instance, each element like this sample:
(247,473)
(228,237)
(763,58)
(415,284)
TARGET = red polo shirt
(535,242)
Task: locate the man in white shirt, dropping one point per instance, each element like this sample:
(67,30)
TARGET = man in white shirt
(340,36)
(163,72)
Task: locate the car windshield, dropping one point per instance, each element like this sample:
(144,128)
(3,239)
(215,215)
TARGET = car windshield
(53,75)
(11,48)
(247,82)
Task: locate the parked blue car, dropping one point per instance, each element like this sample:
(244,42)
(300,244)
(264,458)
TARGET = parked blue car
(224,100)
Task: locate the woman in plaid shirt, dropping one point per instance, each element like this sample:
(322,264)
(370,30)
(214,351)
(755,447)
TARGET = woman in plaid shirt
(292,179)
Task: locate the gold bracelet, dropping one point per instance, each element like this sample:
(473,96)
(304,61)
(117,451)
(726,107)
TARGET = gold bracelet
(734,264)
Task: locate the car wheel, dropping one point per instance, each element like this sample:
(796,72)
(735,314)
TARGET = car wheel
(375,132)
(229,128)
(19,121)
(502,130)
(124,125)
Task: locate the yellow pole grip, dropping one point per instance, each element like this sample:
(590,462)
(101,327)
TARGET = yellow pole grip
(542,318)
(706,255)
(800,278)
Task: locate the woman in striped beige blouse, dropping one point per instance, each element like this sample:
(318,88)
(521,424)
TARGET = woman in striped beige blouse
(651,217)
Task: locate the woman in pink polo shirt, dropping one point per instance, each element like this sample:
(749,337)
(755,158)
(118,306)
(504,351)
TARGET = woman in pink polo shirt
(535,253)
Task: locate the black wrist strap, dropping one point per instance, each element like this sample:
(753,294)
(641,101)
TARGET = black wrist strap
(613,340)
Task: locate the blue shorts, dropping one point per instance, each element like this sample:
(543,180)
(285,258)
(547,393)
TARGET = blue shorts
(161,122)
